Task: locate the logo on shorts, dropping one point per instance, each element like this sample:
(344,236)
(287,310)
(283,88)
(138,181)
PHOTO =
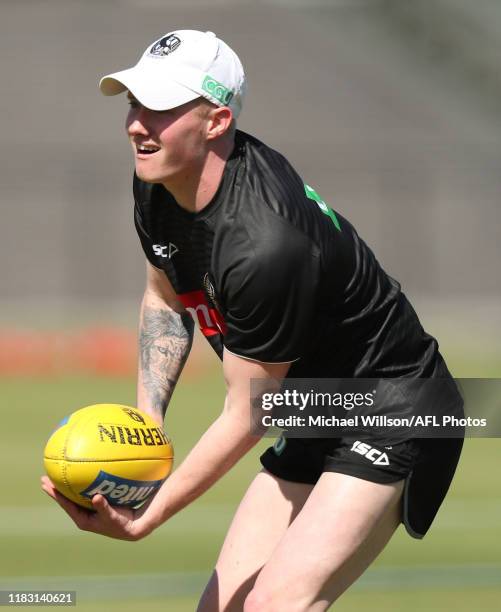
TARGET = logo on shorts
(369,452)
(165,46)
(279,446)
(217,90)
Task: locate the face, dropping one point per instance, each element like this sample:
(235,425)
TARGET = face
(168,145)
(163,351)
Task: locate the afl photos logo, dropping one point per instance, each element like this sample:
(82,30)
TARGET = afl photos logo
(165,46)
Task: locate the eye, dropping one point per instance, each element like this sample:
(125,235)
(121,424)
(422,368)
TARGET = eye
(132,103)
(165,112)
(162,350)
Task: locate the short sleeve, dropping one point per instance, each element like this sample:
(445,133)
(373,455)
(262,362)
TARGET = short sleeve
(140,221)
(269,300)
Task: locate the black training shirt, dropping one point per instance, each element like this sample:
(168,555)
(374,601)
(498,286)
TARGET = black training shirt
(270,272)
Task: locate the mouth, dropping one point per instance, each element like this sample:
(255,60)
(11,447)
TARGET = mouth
(142,149)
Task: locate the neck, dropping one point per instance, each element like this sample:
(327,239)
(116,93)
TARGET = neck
(193,190)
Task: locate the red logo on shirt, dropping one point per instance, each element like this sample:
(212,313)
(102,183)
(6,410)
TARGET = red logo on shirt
(208,318)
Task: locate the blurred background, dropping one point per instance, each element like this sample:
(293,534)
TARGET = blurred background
(390,109)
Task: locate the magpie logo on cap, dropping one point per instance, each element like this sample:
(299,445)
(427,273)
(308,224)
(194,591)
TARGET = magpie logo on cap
(165,46)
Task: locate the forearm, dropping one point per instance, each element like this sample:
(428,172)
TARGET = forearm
(165,338)
(221,446)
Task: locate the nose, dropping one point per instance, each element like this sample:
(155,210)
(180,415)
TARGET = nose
(137,122)
(136,127)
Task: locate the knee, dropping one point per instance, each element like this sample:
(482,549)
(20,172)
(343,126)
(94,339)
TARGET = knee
(263,600)
(256,601)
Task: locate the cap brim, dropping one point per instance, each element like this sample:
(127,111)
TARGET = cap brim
(147,87)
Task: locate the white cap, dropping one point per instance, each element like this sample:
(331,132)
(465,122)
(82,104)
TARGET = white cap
(179,67)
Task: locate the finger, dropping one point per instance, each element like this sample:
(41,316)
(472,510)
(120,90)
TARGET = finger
(107,512)
(79,515)
(46,482)
(101,505)
(47,486)
(118,524)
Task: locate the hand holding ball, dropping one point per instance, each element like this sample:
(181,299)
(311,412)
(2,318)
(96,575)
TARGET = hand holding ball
(116,451)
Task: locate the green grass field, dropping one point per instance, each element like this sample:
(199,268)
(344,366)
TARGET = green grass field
(458,565)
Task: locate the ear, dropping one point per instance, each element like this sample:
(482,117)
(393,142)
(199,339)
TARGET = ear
(219,122)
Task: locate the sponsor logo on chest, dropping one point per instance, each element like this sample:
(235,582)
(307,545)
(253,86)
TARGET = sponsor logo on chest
(206,316)
(166,251)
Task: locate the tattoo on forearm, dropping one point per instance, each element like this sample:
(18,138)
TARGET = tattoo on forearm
(165,339)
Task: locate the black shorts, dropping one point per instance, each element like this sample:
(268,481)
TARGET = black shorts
(426,464)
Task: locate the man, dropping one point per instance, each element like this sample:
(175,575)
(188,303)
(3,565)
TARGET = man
(281,286)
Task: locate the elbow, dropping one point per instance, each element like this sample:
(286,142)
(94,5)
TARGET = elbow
(245,422)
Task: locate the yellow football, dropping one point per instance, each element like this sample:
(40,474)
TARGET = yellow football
(116,451)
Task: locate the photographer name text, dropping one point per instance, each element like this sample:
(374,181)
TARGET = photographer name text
(268,420)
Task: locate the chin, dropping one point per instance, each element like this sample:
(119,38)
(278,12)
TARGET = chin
(147,177)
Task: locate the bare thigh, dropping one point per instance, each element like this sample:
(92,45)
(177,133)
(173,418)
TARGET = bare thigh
(264,515)
(343,526)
